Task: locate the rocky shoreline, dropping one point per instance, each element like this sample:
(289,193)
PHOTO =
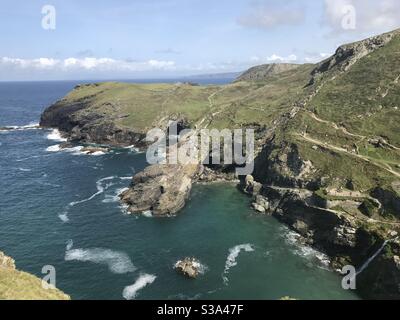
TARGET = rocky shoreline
(309,172)
(341,237)
(164,189)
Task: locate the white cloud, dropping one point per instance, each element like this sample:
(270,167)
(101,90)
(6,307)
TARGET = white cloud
(267,17)
(274,58)
(277,58)
(370,15)
(316,57)
(84,64)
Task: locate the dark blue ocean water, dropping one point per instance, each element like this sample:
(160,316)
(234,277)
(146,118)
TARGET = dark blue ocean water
(60,209)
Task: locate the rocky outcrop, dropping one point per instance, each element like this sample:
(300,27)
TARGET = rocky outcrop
(390,200)
(347,55)
(189,267)
(6,262)
(263,72)
(345,239)
(161,189)
(83,126)
(94,150)
(279,163)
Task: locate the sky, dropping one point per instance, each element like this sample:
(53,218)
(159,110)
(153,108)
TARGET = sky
(138,39)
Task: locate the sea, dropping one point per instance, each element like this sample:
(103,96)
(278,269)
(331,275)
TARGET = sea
(60,208)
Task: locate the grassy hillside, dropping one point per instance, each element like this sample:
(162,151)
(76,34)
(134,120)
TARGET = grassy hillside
(19,285)
(346,110)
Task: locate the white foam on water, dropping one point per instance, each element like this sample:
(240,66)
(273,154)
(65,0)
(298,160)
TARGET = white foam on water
(124,209)
(100,189)
(76,151)
(126,178)
(70,244)
(54,148)
(64,217)
(117,262)
(132,148)
(232,257)
(147,214)
(131,292)
(115,197)
(305,251)
(97,153)
(55,135)
(30,126)
(24,170)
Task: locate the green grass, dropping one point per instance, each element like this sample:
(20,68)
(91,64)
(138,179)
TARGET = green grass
(18,285)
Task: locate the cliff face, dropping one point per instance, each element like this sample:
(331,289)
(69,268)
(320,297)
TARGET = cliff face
(82,124)
(324,172)
(327,147)
(19,285)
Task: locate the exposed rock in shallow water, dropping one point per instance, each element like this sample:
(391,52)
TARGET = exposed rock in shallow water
(189,267)
(261,204)
(92,150)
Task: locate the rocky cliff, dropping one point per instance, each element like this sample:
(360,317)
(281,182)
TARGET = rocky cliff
(327,147)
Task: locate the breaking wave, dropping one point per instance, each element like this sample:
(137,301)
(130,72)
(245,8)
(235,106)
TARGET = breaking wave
(147,214)
(305,251)
(55,135)
(31,126)
(115,197)
(130,292)
(101,187)
(117,262)
(233,254)
(54,148)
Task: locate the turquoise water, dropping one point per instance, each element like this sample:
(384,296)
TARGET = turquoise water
(60,209)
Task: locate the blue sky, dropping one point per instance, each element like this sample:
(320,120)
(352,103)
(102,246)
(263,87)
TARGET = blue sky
(167,38)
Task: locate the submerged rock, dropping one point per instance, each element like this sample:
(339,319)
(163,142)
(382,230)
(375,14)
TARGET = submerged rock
(92,150)
(189,267)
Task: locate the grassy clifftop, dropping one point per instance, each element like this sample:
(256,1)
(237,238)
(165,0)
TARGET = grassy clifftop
(19,285)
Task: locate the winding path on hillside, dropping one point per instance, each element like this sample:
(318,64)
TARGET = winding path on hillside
(342,150)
